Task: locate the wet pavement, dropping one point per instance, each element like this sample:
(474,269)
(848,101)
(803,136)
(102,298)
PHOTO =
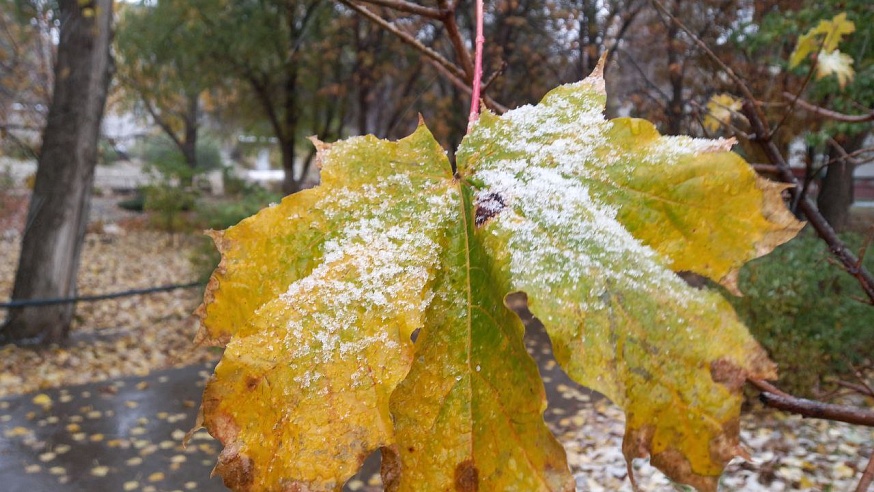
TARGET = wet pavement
(126,434)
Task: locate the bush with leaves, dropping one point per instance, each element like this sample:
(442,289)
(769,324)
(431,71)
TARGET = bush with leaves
(224,213)
(801,309)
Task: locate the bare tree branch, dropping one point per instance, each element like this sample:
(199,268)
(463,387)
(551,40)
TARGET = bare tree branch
(465,87)
(828,113)
(849,261)
(742,86)
(775,398)
(867,476)
(454,34)
(407,38)
(412,8)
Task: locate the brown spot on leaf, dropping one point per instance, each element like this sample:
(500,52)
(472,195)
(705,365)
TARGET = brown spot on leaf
(390,469)
(235,468)
(466,477)
(728,373)
(637,442)
(252,382)
(488,206)
(677,468)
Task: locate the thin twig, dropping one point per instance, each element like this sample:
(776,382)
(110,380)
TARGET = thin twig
(775,398)
(766,168)
(867,476)
(465,87)
(742,86)
(858,374)
(410,8)
(830,114)
(849,261)
(494,76)
(858,388)
(406,38)
(797,96)
(451,25)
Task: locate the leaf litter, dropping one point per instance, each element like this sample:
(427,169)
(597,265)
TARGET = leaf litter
(136,335)
(112,338)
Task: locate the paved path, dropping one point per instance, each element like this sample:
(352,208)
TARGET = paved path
(125,435)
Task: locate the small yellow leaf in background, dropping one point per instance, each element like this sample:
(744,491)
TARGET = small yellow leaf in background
(156,477)
(43,400)
(720,109)
(131,485)
(100,471)
(824,38)
(16,432)
(836,63)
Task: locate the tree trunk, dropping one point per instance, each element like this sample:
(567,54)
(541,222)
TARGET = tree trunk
(189,141)
(58,210)
(675,110)
(289,184)
(836,190)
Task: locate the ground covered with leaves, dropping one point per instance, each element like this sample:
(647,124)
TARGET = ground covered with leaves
(137,335)
(113,338)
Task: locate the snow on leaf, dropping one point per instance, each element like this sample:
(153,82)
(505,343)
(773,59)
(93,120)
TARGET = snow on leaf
(469,414)
(597,215)
(316,300)
(318,297)
(836,63)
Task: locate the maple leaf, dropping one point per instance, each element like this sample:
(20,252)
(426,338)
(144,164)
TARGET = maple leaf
(720,109)
(824,38)
(836,63)
(316,300)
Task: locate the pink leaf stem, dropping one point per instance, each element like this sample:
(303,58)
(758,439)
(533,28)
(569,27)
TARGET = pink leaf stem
(478,67)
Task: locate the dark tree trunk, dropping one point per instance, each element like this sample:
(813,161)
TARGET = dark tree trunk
(189,142)
(675,111)
(836,190)
(58,211)
(289,184)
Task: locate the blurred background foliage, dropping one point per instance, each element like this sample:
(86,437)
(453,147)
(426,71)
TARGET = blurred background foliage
(209,84)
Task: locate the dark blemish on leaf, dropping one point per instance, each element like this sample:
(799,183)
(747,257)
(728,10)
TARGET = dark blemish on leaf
(235,468)
(415,335)
(728,373)
(488,206)
(252,383)
(466,477)
(390,468)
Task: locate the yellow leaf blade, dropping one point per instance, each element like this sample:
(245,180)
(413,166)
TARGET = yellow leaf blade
(317,344)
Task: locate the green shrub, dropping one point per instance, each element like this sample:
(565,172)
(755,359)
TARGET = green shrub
(167,203)
(805,311)
(221,215)
(161,153)
(107,153)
